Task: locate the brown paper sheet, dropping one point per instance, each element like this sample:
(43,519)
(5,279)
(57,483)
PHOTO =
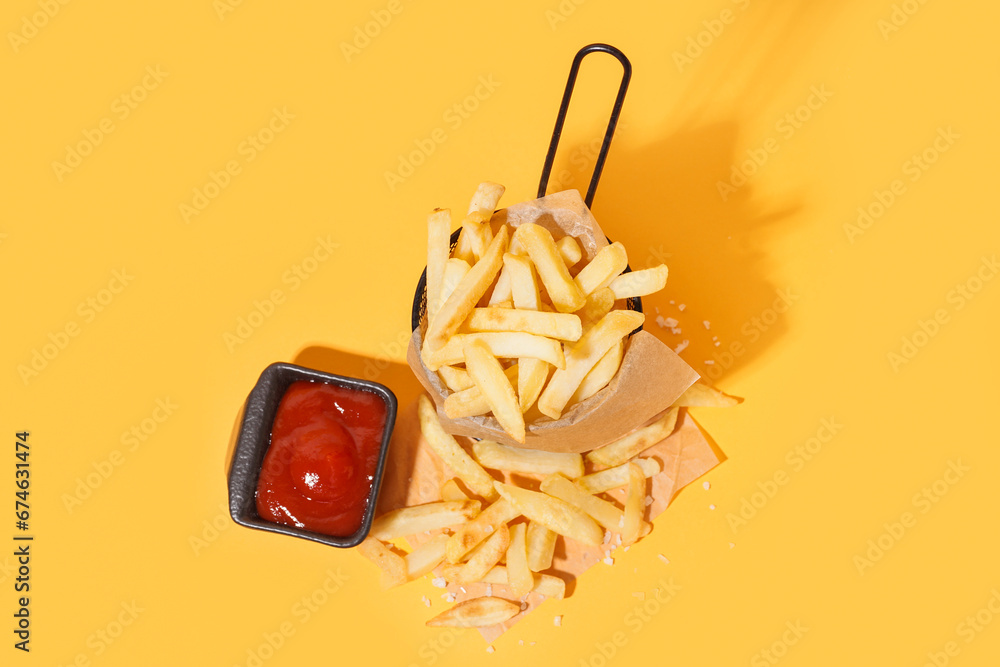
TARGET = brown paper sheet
(650,379)
(416,474)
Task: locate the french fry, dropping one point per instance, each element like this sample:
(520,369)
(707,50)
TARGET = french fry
(501,291)
(637,441)
(418,518)
(503,345)
(562,326)
(468,293)
(456,379)
(544,584)
(393,565)
(484,201)
(463,249)
(454,271)
(600,375)
(485,556)
(599,304)
(702,396)
(488,375)
(634,504)
(426,557)
(583,356)
(479,235)
(534,461)
(554,514)
(531,377)
(520,578)
(612,478)
(640,283)
(456,458)
(438,246)
(607,264)
(471,402)
(470,534)
(522,286)
(541,545)
(602,511)
(569,250)
(450,490)
(476,613)
(563,292)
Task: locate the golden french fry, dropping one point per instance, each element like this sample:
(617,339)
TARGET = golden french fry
(393,565)
(541,545)
(470,534)
(607,264)
(501,291)
(468,293)
(612,478)
(438,246)
(456,458)
(426,557)
(471,402)
(544,584)
(702,396)
(602,511)
(503,345)
(634,504)
(640,283)
(519,577)
(456,379)
(601,374)
(569,250)
(583,356)
(563,292)
(488,375)
(485,556)
(450,490)
(563,326)
(599,304)
(531,377)
(554,514)
(463,249)
(479,235)
(534,461)
(476,613)
(484,201)
(637,441)
(522,286)
(418,518)
(454,271)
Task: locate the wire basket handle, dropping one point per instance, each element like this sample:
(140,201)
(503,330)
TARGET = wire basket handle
(574,70)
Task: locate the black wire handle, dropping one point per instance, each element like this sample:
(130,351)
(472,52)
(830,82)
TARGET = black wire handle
(564,107)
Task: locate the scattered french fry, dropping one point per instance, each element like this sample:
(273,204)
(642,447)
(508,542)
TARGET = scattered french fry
(554,514)
(393,565)
(489,377)
(426,557)
(541,544)
(607,264)
(634,504)
(418,518)
(503,345)
(519,576)
(635,442)
(639,283)
(485,556)
(562,326)
(564,293)
(544,584)
(438,246)
(613,478)
(456,458)
(450,490)
(473,532)
(702,396)
(476,613)
(602,511)
(534,461)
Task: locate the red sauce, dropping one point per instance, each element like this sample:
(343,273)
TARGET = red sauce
(318,472)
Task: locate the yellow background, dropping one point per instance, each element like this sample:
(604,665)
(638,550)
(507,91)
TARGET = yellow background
(135,538)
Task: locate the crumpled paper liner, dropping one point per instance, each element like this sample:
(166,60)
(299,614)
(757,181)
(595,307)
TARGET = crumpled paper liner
(416,475)
(650,379)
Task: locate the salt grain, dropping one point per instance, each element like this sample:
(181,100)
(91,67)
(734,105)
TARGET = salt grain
(489,590)
(557,621)
(681,307)
(711,507)
(649,500)
(427,601)
(609,561)
(717,343)
(490,649)
(681,346)
(439,582)
(607,534)
(731,545)
(664,559)
(626,548)
(709,362)
(676,331)
(708,325)
(706,485)
(670,322)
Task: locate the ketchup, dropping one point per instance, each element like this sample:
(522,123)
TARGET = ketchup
(318,472)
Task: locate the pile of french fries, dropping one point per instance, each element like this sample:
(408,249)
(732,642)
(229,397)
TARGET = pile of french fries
(513,320)
(512,324)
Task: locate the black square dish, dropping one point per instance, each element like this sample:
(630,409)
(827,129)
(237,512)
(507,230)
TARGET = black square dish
(254,439)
